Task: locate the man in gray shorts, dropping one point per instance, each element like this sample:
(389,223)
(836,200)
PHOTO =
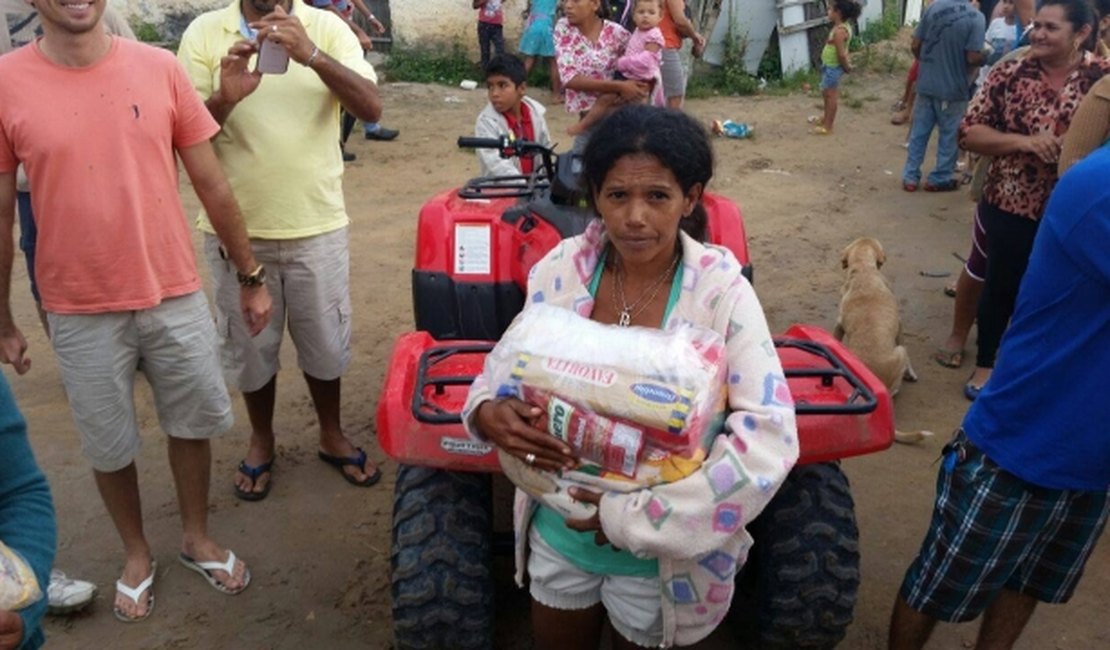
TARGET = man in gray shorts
(279,151)
(116,269)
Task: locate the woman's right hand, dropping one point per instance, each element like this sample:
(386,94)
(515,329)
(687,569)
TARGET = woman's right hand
(1044,145)
(633,91)
(511,425)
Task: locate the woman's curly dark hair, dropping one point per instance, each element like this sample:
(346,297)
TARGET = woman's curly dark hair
(672,137)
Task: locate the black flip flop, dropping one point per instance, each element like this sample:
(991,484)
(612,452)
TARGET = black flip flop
(253,473)
(358,460)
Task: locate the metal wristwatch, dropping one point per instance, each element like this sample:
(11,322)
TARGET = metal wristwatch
(255,278)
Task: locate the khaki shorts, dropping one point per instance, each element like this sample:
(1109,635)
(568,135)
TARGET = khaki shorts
(308,281)
(634,604)
(173,344)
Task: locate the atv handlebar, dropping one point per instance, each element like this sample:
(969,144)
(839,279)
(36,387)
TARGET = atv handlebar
(479,143)
(512,148)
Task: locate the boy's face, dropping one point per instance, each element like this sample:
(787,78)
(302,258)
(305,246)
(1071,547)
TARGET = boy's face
(1007,9)
(647,14)
(504,95)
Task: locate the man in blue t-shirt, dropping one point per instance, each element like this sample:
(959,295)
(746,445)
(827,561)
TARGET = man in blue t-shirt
(1023,487)
(948,43)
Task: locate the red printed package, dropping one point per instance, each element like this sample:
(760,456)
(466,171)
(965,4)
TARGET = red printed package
(616,445)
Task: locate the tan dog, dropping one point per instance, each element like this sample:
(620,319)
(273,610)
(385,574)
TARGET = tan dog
(868,322)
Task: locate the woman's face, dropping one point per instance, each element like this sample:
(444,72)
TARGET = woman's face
(578,11)
(641,204)
(1053,37)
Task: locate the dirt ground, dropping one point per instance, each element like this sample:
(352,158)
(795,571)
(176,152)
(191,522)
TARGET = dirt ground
(319,549)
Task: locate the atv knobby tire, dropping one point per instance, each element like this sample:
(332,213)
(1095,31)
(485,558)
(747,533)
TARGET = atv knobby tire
(802,575)
(441,563)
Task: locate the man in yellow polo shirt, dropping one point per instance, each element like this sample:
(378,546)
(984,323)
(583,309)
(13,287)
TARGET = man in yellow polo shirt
(279,151)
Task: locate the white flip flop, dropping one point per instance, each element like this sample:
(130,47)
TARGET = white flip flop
(206,568)
(135,593)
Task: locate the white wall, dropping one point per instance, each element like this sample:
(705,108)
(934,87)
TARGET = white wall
(449,21)
(414,21)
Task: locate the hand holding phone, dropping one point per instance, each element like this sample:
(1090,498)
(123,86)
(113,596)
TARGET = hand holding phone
(272,58)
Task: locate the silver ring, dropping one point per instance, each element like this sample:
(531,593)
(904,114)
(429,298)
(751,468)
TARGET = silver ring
(530,459)
(273,28)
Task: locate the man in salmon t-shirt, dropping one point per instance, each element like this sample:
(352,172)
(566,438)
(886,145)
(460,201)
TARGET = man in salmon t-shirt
(116,269)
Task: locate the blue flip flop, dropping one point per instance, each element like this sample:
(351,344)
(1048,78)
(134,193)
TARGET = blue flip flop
(358,460)
(253,473)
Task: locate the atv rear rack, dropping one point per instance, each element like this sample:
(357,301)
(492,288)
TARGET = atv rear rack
(843,409)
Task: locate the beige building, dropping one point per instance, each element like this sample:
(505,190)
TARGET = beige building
(424,22)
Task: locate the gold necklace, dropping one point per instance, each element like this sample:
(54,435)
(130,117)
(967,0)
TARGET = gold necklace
(626,312)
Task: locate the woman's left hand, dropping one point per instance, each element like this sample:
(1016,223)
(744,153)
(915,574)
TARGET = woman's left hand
(594,522)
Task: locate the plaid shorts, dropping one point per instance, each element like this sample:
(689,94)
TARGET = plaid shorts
(992,531)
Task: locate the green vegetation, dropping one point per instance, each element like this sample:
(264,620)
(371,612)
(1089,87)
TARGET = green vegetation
(431,64)
(146,32)
(880,30)
(728,78)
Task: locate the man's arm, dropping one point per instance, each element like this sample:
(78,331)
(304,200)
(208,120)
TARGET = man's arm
(915,47)
(214,192)
(362,36)
(976,39)
(13,346)
(376,24)
(677,10)
(1025,10)
(237,81)
(358,94)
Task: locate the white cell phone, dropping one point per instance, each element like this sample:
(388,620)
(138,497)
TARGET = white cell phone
(272,58)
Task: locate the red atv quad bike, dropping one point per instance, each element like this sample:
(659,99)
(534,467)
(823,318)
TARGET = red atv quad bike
(475,246)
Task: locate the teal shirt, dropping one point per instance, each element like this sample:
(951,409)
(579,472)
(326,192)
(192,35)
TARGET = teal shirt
(26,510)
(579,547)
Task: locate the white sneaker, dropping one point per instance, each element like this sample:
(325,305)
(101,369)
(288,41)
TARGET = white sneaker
(67,595)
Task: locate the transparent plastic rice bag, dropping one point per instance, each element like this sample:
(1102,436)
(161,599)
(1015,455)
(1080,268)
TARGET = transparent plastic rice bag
(639,406)
(18,586)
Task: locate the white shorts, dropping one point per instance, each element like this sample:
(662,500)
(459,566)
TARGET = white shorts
(634,604)
(308,281)
(174,344)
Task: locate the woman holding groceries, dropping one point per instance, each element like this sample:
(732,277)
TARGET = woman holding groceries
(658,563)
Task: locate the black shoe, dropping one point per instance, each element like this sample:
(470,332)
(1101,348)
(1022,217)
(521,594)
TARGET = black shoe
(382,133)
(348,156)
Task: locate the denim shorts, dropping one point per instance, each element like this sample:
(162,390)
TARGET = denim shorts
(992,531)
(830,76)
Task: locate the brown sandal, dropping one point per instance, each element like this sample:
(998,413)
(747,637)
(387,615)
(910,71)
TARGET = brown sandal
(948,358)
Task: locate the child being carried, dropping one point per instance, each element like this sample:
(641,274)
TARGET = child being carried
(641,61)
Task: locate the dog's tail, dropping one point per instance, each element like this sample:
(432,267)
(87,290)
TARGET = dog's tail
(911,437)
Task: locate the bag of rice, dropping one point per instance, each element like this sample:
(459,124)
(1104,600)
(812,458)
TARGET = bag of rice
(18,586)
